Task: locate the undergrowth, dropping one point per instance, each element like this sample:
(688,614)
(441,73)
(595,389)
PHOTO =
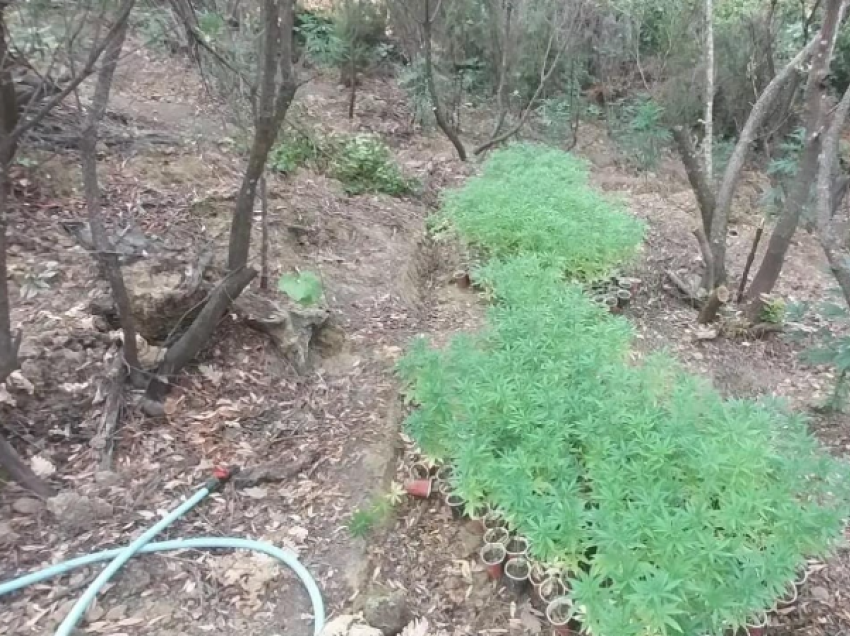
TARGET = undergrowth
(672,510)
(362,163)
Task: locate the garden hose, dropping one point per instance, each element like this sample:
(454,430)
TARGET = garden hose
(119,556)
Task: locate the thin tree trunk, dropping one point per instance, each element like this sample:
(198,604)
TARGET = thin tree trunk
(833,246)
(815,118)
(745,275)
(735,167)
(271,111)
(8,122)
(708,116)
(501,90)
(8,342)
(439,116)
(184,350)
(697,177)
(106,255)
(264,247)
(544,78)
(20,472)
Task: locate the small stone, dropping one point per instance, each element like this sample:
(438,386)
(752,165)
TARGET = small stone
(75,513)
(95,613)
(106,478)
(27,506)
(8,536)
(116,613)
(387,612)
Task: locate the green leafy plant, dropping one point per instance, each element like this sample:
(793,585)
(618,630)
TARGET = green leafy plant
(534,199)
(641,132)
(366,518)
(295,151)
(830,341)
(305,288)
(773,311)
(672,510)
(781,169)
(363,163)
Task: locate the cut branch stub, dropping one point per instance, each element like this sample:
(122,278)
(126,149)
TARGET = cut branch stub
(717,298)
(290,327)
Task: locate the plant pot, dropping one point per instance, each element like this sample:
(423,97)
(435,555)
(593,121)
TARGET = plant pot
(517,546)
(444,473)
(624,298)
(551,588)
(536,575)
(419,488)
(455,504)
(559,613)
(493,555)
(419,471)
(789,599)
(497,535)
(612,304)
(757,626)
(600,299)
(516,574)
(492,520)
(802,578)
(444,488)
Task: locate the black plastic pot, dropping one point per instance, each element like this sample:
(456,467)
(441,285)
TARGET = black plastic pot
(497,535)
(516,574)
(624,298)
(517,546)
(551,588)
(455,504)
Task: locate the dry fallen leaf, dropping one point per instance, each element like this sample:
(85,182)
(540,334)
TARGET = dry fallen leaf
(42,467)
(418,627)
(255,492)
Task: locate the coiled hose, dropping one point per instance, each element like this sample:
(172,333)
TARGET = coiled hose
(119,556)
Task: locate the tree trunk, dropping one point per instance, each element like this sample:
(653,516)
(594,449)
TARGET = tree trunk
(105,252)
(833,246)
(501,90)
(197,335)
(8,122)
(735,167)
(264,246)
(801,187)
(697,177)
(8,344)
(439,116)
(273,105)
(20,472)
(708,116)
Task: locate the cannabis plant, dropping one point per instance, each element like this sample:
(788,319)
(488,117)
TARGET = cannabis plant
(672,510)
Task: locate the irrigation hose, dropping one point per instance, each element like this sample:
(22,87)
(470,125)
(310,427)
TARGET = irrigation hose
(119,556)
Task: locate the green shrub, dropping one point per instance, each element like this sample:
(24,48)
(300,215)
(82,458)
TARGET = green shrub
(830,342)
(673,511)
(295,151)
(364,164)
(536,199)
(640,130)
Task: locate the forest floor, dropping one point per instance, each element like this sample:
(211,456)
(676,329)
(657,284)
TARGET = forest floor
(336,429)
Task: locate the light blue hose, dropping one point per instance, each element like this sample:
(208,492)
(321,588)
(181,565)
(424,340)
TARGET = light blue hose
(120,556)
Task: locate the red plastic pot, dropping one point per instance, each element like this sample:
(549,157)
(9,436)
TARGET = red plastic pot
(757,626)
(419,488)
(493,555)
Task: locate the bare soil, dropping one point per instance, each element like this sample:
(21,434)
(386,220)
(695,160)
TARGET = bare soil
(335,431)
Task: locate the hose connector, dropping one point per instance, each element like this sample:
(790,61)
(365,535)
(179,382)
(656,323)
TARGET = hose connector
(221,475)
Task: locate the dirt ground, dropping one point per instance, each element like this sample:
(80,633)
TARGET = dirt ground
(334,431)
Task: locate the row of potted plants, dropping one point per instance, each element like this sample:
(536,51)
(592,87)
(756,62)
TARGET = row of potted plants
(506,557)
(616,293)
